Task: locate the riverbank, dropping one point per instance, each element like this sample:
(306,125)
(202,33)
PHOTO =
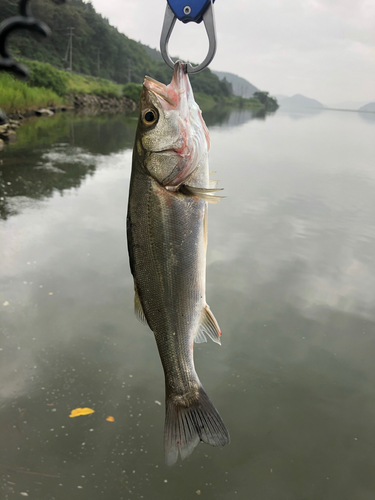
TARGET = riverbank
(48,87)
(83,103)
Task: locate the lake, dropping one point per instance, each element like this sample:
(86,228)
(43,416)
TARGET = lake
(290,279)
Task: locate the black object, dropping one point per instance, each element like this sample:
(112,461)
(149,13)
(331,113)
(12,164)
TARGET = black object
(24,20)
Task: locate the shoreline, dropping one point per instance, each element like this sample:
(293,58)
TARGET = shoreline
(10,122)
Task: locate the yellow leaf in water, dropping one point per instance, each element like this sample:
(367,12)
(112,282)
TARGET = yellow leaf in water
(110,419)
(81,411)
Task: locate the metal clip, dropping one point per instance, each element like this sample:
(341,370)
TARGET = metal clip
(168,25)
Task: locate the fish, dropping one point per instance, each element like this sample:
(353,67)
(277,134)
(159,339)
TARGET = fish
(167,240)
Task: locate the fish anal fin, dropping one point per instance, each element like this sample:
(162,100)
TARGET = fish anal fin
(202,193)
(209,326)
(138,309)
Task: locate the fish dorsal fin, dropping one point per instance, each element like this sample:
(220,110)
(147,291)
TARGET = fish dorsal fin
(138,309)
(203,193)
(208,326)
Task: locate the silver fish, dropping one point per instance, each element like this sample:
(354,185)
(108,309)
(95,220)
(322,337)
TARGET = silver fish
(167,239)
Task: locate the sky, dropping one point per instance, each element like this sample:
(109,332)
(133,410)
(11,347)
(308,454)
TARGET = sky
(323,49)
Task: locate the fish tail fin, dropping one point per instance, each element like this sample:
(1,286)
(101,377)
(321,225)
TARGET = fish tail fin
(188,423)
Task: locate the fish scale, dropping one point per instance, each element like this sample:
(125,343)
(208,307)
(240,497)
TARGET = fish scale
(166,228)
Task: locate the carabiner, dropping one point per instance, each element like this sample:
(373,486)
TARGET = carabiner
(188,11)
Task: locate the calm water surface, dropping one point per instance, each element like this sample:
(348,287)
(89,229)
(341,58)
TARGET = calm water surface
(290,279)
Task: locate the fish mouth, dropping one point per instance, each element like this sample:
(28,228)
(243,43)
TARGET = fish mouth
(168,150)
(172,93)
(160,90)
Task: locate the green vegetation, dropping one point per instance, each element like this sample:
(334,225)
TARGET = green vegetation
(102,55)
(132,91)
(80,84)
(45,75)
(48,86)
(269,103)
(16,95)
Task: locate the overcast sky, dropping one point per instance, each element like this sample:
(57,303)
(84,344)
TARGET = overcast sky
(324,49)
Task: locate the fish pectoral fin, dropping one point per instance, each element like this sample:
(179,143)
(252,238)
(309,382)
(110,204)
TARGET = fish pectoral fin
(138,309)
(208,326)
(203,193)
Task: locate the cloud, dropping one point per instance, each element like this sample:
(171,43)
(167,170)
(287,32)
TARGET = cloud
(324,49)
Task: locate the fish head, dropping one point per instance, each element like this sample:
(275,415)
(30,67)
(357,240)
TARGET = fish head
(172,137)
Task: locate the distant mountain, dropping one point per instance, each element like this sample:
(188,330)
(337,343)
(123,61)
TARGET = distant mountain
(370,107)
(240,86)
(351,105)
(299,101)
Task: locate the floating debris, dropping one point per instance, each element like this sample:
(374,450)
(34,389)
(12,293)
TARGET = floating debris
(81,411)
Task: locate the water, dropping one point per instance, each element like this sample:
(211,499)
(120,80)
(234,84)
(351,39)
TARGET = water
(290,279)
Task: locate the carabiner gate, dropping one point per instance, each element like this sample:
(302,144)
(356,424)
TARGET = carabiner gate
(188,14)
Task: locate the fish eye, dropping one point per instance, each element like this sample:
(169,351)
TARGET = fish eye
(149,116)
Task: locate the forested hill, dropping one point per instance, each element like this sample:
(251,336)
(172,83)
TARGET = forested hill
(99,49)
(240,86)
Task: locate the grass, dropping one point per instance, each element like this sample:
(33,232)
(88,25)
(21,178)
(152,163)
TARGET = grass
(79,84)
(16,95)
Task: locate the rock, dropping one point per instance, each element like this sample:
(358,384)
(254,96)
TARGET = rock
(13,124)
(1,144)
(12,137)
(7,134)
(3,117)
(104,103)
(44,112)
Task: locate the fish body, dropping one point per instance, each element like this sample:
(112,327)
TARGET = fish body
(167,239)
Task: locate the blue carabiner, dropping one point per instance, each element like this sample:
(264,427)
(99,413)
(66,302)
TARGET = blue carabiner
(189,11)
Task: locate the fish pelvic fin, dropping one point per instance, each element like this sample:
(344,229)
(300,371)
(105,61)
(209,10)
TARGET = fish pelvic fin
(187,425)
(203,193)
(208,326)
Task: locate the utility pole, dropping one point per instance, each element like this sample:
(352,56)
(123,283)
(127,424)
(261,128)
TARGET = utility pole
(69,50)
(129,71)
(98,61)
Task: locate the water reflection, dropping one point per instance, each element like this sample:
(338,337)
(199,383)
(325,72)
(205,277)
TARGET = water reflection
(300,113)
(290,279)
(227,116)
(368,117)
(56,155)
(62,151)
